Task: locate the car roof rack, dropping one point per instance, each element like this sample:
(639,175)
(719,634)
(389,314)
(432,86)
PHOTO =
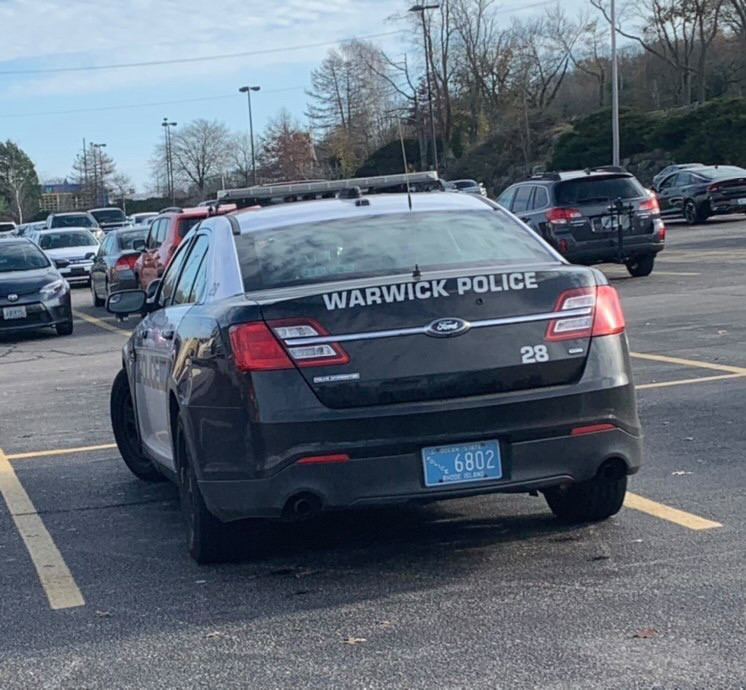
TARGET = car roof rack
(352,188)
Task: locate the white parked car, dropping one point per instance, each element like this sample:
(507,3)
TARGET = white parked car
(72,251)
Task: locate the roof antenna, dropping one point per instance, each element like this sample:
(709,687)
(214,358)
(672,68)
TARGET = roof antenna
(406,167)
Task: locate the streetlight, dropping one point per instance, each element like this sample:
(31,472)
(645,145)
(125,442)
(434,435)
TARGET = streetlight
(421,9)
(169,160)
(247,90)
(615,157)
(98,147)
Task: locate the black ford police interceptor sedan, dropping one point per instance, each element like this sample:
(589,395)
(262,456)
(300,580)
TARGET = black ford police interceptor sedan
(338,353)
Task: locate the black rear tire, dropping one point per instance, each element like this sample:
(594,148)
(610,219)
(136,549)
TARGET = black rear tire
(66,327)
(208,539)
(124,425)
(641,266)
(591,501)
(693,214)
(97,301)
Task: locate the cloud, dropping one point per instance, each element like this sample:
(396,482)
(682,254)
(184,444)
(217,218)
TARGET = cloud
(50,33)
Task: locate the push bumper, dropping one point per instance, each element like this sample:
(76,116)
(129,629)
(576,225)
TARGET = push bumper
(528,465)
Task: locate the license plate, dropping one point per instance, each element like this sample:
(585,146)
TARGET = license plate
(14,313)
(460,464)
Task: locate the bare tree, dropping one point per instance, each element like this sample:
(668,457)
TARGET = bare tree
(201,150)
(239,159)
(679,32)
(122,187)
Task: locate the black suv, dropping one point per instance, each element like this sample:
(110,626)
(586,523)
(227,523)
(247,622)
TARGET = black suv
(599,215)
(696,194)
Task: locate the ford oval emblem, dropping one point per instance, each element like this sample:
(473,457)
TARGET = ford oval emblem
(447,328)
(12,298)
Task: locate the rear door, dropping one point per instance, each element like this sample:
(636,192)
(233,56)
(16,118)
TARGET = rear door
(479,323)
(669,196)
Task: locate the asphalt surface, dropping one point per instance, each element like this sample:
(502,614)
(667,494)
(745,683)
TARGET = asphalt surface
(485,593)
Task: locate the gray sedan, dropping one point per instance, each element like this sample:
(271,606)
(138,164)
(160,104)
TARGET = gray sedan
(113,267)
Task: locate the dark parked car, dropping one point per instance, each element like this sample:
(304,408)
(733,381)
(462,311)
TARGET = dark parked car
(363,351)
(33,294)
(670,169)
(603,215)
(699,193)
(114,266)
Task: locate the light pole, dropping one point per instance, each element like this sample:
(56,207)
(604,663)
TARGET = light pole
(169,159)
(247,90)
(96,168)
(615,157)
(421,9)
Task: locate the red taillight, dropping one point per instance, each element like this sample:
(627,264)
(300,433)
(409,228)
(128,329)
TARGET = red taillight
(596,312)
(126,262)
(651,205)
(563,245)
(609,318)
(324,459)
(563,215)
(591,429)
(293,333)
(255,348)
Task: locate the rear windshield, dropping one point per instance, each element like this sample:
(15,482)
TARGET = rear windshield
(464,184)
(384,245)
(722,173)
(126,239)
(598,189)
(81,221)
(21,256)
(72,238)
(113,215)
(187,224)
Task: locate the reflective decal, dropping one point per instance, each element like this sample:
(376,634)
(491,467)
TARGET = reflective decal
(429,289)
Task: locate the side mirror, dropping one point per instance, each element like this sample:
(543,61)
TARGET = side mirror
(138,245)
(126,302)
(61,263)
(153,286)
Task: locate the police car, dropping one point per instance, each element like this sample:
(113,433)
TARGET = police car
(369,350)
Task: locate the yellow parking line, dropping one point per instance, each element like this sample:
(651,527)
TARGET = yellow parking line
(684,382)
(59,451)
(54,575)
(691,363)
(101,324)
(664,512)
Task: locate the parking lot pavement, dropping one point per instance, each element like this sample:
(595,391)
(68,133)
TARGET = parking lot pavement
(491,592)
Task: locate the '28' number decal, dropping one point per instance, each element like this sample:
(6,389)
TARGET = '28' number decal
(530,354)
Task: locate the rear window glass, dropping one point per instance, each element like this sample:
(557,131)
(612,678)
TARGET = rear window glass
(383,245)
(81,221)
(127,238)
(598,189)
(72,238)
(109,216)
(722,172)
(187,224)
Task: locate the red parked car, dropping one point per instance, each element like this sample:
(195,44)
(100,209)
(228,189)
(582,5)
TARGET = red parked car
(166,233)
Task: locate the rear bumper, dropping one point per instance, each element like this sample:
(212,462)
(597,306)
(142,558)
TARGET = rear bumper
(246,458)
(78,273)
(607,251)
(392,479)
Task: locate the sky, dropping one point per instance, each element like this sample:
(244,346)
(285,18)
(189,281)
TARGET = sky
(124,107)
